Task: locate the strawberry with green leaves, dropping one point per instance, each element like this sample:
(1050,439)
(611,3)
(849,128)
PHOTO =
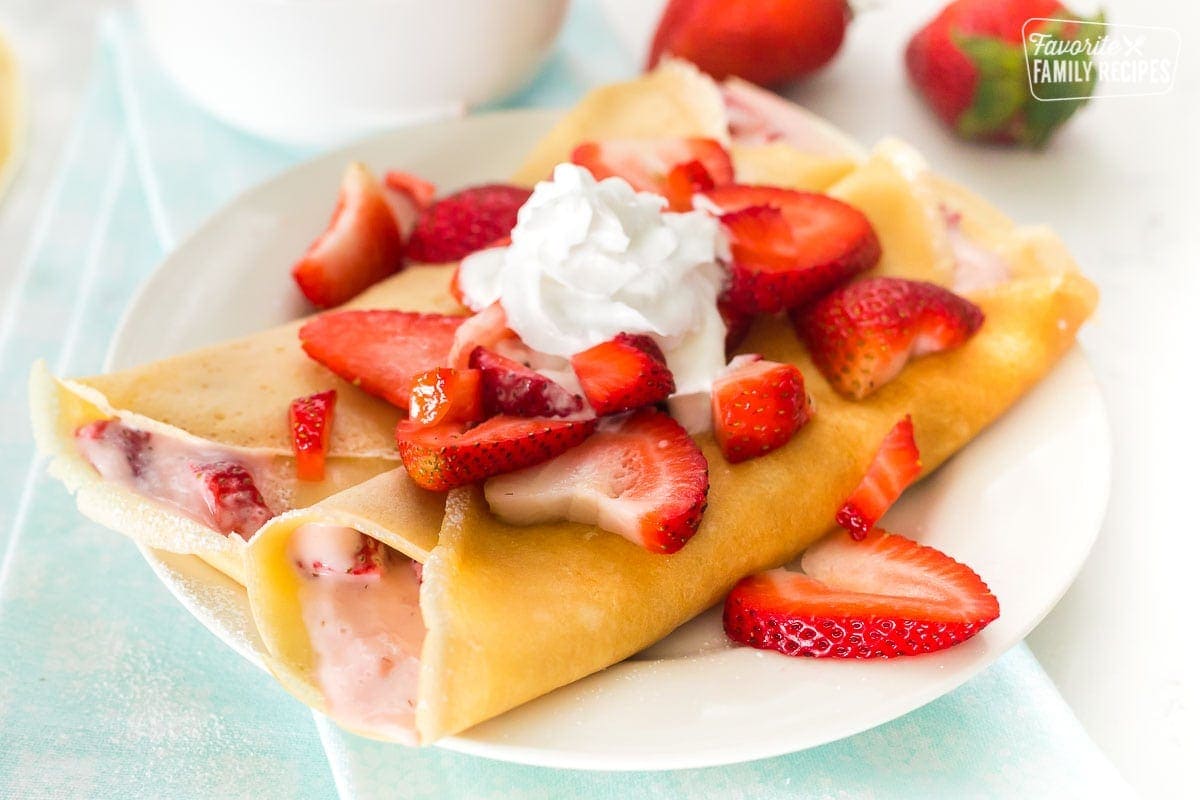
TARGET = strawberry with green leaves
(969,64)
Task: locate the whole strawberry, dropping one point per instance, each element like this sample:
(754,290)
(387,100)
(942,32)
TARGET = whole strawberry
(969,65)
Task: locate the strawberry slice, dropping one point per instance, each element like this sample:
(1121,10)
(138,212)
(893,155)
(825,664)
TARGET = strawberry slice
(628,371)
(640,476)
(510,387)
(790,247)
(472,219)
(380,351)
(486,328)
(737,324)
(233,501)
(757,407)
(673,168)
(310,420)
(361,246)
(446,395)
(885,596)
(861,335)
(420,190)
(895,466)
(449,455)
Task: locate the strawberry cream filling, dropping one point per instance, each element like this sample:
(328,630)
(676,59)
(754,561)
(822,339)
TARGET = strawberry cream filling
(221,488)
(361,608)
(975,267)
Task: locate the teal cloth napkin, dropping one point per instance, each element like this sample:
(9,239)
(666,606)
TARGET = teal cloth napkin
(109,689)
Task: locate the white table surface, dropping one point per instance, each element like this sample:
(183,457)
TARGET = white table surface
(1120,184)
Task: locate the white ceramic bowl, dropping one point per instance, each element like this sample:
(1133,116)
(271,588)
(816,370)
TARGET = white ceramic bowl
(318,72)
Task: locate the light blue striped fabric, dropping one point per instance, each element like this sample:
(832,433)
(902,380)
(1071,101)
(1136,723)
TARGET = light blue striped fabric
(109,689)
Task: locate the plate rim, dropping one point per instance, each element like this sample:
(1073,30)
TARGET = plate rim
(568,758)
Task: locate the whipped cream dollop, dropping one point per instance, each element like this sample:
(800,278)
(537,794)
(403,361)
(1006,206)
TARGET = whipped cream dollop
(590,259)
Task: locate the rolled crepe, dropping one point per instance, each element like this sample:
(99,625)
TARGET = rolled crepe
(510,612)
(229,399)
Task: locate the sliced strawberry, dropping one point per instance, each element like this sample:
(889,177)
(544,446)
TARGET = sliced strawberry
(361,246)
(737,324)
(639,475)
(380,351)
(896,464)
(758,407)
(444,456)
(683,182)
(132,444)
(233,501)
(625,372)
(510,387)
(310,420)
(486,328)
(446,395)
(885,596)
(861,335)
(673,168)
(421,191)
(790,247)
(465,221)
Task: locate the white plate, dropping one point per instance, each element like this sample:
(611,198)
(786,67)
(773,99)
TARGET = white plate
(1022,504)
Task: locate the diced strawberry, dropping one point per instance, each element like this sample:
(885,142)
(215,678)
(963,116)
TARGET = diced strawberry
(233,501)
(380,351)
(758,407)
(673,168)
(896,464)
(885,596)
(790,247)
(486,328)
(132,443)
(361,246)
(512,388)
(639,475)
(628,371)
(421,191)
(737,324)
(310,420)
(449,455)
(465,221)
(446,395)
(861,335)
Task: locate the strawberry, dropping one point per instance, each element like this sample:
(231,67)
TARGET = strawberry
(445,456)
(310,419)
(380,351)
(790,247)
(233,501)
(969,65)
(446,395)
(133,444)
(896,464)
(361,246)
(465,221)
(737,323)
(673,168)
(421,191)
(640,476)
(625,372)
(757,407)
(861,335)
(764,42)
(487,328)
(882,597)
(512,388)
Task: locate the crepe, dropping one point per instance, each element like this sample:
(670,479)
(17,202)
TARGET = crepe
(234,395)
(511,613)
